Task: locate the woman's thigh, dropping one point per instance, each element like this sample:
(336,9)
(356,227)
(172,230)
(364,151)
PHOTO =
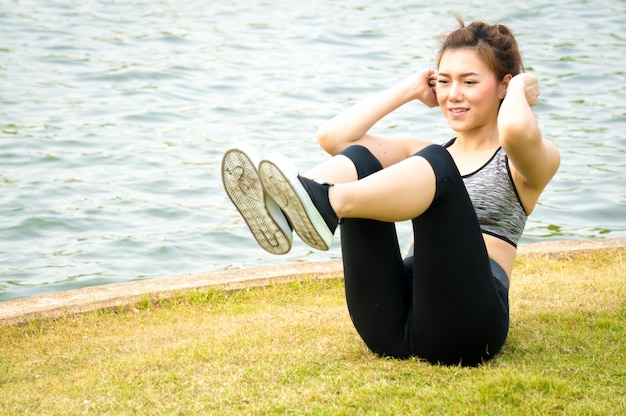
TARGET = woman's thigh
(457,308)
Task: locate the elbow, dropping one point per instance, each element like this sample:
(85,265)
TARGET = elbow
(325,140)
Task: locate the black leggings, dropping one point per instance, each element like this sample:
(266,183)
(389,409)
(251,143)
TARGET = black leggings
(443,304)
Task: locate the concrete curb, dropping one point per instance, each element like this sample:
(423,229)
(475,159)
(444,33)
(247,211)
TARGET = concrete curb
(55,305)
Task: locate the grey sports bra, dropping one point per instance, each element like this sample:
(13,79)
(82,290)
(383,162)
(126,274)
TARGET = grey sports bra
(496,200)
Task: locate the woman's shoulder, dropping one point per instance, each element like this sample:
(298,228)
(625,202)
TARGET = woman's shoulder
(449,142)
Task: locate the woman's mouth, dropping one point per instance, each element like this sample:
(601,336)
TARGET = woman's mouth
(457,111)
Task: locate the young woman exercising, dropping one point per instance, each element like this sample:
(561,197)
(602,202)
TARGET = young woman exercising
(468,201)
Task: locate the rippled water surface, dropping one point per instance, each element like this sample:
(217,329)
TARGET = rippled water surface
(114,116)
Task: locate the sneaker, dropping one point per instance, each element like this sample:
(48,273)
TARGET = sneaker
(266,221)
(304,201)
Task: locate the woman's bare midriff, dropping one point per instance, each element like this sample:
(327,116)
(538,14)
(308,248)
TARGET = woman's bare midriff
(501,252)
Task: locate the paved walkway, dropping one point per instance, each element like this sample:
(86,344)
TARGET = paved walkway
(53,305)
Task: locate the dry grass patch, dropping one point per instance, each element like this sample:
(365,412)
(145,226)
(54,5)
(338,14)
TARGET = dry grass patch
(291,348)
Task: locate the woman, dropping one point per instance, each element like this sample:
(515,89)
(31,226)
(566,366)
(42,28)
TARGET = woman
(468,201)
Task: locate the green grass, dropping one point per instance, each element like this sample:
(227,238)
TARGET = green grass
(291,349)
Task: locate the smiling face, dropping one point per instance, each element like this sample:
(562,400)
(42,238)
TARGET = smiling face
(468,92)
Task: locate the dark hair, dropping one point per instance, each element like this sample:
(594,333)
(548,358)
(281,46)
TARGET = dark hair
(495,44)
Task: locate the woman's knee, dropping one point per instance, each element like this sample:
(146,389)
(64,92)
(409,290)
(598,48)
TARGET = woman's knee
(440,160)
(364,160)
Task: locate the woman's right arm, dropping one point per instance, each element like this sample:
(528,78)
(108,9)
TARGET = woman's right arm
(351,126)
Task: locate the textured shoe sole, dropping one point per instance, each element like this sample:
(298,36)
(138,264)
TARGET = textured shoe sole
(280,181)
(261,214)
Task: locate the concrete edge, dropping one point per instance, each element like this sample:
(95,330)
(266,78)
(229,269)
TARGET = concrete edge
(55,305)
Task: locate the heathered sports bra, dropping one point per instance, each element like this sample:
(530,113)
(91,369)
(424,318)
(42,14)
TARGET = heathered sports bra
(496,200)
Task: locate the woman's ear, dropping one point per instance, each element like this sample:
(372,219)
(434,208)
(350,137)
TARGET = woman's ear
(504,85)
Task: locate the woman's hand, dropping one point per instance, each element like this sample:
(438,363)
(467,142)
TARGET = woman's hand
(422,86)
(527,84)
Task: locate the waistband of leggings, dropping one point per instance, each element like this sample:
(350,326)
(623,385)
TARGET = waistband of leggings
(499,273)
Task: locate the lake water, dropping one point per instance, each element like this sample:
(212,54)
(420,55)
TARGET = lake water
(114,116)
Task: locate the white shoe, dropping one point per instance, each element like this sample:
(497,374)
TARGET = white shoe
(266,221)
(304,201)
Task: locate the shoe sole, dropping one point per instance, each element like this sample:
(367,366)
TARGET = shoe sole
(280,180)
(243,187)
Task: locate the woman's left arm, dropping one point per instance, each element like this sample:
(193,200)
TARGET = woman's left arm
(534,159)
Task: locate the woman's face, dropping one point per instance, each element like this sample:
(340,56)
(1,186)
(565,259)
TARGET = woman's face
(468,92)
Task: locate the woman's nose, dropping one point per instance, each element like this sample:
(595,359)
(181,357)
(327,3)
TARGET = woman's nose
(455,93)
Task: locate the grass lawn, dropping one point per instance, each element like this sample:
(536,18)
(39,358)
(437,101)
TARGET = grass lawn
(291,349)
